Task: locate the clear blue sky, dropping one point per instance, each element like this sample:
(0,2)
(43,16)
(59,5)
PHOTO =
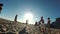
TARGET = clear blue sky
(45,8)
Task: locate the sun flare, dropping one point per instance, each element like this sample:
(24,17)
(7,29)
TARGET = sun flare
(29,17)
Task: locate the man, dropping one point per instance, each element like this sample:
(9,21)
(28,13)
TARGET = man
(1,6)
(26,22)
(48,24)
(41,21)
(15,18)
(42,26)
(36,23)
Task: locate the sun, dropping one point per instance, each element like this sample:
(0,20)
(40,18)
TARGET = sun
(29,17)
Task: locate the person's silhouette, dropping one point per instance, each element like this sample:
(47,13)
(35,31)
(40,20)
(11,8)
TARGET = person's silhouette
(42,20)
(48,24)
(1,6)
(15,18)
(42,26)
(48,21)
(36,23)
(26,22)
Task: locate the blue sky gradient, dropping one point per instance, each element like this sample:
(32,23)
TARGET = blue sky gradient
(45,8)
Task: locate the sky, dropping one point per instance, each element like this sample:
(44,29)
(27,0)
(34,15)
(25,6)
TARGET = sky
(38,8)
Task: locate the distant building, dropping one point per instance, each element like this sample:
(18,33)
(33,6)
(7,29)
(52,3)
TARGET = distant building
(58,20)
(56,24)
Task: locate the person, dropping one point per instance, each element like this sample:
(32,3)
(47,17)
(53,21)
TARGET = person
(26,22)
(48,24)
(36,23)
(15,18)
(42,26)
(41,21)
(1,6)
